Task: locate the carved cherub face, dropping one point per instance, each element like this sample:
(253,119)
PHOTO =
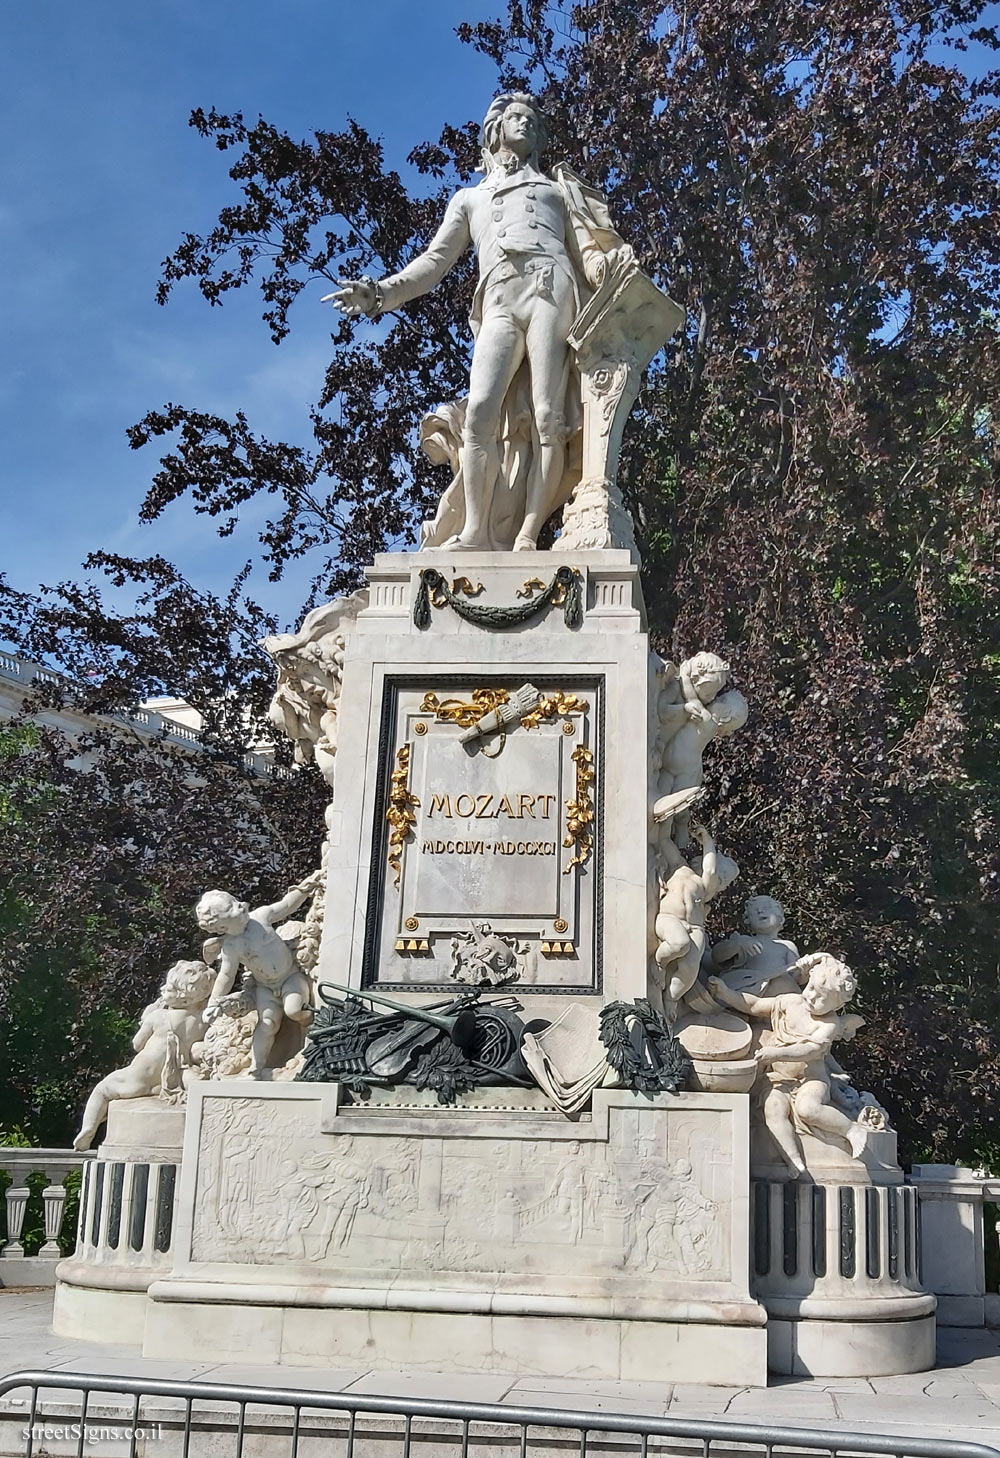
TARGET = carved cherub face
(710,686)
(709,675)
(831,986)
(186,985)
(764,916)
(822,1000)
(221,914)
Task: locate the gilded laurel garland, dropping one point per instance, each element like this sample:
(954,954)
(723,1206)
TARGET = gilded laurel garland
(458,711)
(565,591)
(400,812)
(553,706)
(483,701)
(580,811)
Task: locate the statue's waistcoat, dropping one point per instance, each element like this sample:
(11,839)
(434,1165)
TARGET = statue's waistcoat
(524,214)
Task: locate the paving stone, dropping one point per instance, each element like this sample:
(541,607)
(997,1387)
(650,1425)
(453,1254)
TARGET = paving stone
(591,1401)
(455,1387)
(803,1403)
(914,1413)
(961,1398)
(313,1379)
(643,1391)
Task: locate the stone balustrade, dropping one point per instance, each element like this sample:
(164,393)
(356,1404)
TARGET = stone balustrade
(952,1207)
(17,1268)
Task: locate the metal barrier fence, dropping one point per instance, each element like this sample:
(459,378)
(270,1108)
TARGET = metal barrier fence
(499,1426)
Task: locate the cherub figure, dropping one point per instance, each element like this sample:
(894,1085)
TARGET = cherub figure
(692,710)
(680,921)
(166,1048)
(274,980)
(762,959)
(796,1054)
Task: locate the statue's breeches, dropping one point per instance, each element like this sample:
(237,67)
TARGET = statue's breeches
(515,287)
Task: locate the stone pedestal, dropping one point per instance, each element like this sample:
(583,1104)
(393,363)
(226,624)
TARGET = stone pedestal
(485,832)
(496,754)
(837,1263)
(493,1236)
(125,1231)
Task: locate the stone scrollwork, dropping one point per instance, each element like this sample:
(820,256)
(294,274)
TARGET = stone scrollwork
(400,812)
(607,383)
(310,667)
(580,810)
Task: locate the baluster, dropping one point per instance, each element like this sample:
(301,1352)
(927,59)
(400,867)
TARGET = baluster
(54,1199)
(17,1203)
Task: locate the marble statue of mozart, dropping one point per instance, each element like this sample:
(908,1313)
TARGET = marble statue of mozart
(545,242)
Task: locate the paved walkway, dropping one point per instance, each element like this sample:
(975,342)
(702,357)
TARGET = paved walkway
(959,1399)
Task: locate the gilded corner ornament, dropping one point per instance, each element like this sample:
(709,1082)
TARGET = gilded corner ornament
(580,811)
(400,812)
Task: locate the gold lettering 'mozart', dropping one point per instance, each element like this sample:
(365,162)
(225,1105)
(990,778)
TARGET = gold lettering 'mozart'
(491,807)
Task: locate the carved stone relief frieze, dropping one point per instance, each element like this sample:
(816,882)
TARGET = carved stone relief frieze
(653,1200)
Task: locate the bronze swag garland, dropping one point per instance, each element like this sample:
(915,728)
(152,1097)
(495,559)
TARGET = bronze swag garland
(565,589)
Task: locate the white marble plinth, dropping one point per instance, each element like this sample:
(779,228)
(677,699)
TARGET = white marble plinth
(837,1266)
(582,921)
(858,1348)
(481,1239)
(460,1342)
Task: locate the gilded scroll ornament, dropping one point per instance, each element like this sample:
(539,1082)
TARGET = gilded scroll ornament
(461,585)
(533,585)
(400,812)
(580,811)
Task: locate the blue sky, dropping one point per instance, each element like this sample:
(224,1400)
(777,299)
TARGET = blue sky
(99,177)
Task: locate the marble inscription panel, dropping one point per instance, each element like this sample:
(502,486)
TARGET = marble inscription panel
(498,829)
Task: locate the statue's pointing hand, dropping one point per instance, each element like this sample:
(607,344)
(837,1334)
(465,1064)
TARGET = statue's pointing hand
(354,297)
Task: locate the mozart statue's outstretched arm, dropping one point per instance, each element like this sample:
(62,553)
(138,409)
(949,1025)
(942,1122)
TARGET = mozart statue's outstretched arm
(425,272)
